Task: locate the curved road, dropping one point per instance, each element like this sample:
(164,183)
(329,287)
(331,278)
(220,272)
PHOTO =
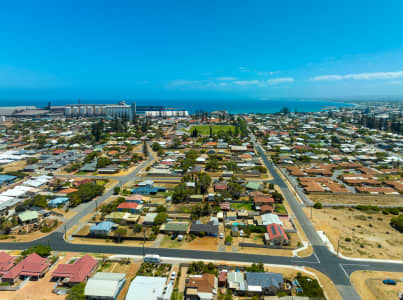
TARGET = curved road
(337,269)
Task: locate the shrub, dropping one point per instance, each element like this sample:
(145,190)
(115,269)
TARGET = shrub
(41,250)
(318,205)
(397,222)
(228,239)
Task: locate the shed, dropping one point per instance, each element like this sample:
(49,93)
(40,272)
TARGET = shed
(104,286)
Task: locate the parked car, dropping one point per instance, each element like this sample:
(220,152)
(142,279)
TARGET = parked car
(174,236)
(389,281)
(180,238)
(221,235)
(173,275)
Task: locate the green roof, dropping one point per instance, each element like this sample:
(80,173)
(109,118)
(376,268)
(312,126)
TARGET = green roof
(176,226)
(253,185)
(28,215)
(116,215)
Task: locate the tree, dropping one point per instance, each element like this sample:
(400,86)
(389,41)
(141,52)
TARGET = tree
(212,165)
(160,218)
(102,162)
(235,189)
(156,147)
(116,190)
(41,250)
(180,193)
(119,233)
(204,182)
(76,292)
(161,208)
(97,130)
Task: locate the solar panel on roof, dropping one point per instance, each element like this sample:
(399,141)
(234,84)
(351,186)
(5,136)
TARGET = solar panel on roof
(273,230)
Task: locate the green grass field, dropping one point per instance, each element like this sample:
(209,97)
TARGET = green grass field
(205,129)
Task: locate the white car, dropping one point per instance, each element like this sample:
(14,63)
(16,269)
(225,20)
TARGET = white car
(173,275)
(221,235)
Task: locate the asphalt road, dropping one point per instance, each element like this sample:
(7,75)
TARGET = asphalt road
(337,269)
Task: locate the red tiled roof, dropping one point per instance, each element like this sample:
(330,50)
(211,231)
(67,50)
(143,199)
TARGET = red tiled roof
(67,191)
(263,199)
(220,186)
(275,230)
(32,265)
(134,197)
(6,262)
(128,205)
(266,208)
(223,276)
(204,283)
(87,180)
(78,271)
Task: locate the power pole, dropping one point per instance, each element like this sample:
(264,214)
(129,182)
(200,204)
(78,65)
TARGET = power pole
(311,211)
(144,241)
(338,247)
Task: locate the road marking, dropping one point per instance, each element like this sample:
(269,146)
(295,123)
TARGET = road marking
(317,258)
(356,265)
(304,261)
(341,266)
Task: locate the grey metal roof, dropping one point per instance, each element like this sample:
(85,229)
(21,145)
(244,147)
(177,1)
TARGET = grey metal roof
(104,284)
(264,279)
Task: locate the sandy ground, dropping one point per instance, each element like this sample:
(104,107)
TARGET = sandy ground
(37,290)
(130,273)
(90,241)
(203,244)
(370,234)
(358,199)
(15,166)
(370,287)
(30,236)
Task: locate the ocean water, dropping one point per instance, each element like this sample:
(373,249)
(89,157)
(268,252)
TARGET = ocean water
(232,106)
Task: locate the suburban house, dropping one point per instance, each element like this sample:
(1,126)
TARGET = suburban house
(104,286)
(209,229)
(58,201)
(31,266)
(201,287)
(275,235)
(6,262)
(175,227)
(131,207)
(153,288)
(77,272)
(236,282)
(28,216)
(264,283)
(149,218)
(148,190)
(102,228)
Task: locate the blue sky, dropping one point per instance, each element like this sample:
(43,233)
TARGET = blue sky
(200,49)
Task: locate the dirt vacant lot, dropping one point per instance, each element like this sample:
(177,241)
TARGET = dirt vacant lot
(361,234)
(370,287)
(358,199)
(204,244)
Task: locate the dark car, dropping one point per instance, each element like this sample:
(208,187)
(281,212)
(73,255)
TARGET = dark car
(389,281)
